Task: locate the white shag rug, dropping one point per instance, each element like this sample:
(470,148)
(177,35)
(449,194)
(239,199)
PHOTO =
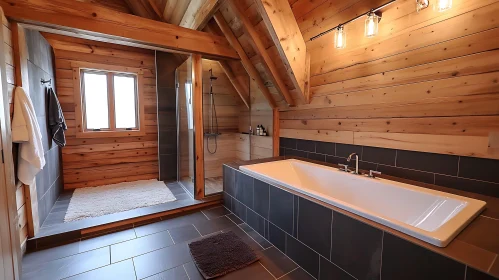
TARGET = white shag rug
(102,200)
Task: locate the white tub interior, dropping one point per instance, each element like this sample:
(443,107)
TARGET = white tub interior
(433,216)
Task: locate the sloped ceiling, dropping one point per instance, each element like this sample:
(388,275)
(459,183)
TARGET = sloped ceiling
(182,12)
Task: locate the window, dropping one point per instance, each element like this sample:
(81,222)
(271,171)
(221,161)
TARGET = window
(108,102)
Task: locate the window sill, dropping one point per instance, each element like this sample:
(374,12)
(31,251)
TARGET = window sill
(108,134)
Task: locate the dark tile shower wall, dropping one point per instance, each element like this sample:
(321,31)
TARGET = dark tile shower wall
(330,245)
(41,66)
(167,116)
(464,173)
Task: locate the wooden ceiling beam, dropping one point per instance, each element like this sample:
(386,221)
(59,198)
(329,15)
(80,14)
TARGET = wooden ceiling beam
(250,68)
(198,13)
(259,47)
(85,19)
(235,83)
(283,28)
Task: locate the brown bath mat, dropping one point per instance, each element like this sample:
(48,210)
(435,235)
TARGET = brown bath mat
(220,254)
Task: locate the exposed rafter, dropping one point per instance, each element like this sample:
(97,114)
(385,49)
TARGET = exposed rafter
(198,13)
(283,28)
(106,25)
(241,91)
(250,68)
(259,47)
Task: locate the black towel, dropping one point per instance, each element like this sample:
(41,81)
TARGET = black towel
(57,123)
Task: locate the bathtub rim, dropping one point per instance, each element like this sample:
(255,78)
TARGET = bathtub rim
(441,237)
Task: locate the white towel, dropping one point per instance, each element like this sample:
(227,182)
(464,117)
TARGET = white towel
(25,130)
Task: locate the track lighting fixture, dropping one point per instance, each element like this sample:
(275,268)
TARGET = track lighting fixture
(340,37)
(372,21)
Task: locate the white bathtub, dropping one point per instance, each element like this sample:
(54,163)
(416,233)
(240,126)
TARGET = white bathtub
(432,216)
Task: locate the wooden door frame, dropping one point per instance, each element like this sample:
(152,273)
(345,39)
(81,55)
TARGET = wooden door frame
(197,105)
(9,232)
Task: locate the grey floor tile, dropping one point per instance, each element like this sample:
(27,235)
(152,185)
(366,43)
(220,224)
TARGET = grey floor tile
(106,240)
(176,273)
(69,266)
(235,219)
(139,246)
(256,236)
(216,212)
(123,271)
(161,260)
(170,223)
(297,274)
(47,255)
(192,271)
(253,271)
(245,237)
(214,225)
(185,233)
(276,262)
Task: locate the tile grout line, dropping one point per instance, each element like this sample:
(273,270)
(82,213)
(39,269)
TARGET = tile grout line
(197,229)
(267,270)
(290,271)
(186,273)
(286,245)
(169,234)
(492,264)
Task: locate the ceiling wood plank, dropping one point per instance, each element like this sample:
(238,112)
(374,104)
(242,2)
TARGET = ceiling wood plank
(168,11)
(250,68)
(198,13)
(259,47)
(179,11)
(85,19)
(141,9)
(283,28)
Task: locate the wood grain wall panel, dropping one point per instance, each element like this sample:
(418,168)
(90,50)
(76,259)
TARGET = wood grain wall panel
(427,82)
(9,61)
(99,161)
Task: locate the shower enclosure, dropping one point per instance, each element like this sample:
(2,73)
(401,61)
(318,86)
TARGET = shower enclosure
(225,126)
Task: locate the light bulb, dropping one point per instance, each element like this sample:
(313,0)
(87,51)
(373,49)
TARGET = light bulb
(340,38)
(442,5)
(371,28)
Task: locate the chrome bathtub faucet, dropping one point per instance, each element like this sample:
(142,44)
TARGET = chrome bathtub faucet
(356,162)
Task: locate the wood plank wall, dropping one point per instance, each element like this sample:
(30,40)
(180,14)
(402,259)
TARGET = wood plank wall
(228,107)
(20,198)
(428,82)
(99,161)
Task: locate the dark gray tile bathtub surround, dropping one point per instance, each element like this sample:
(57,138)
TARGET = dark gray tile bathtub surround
(331,245)
(40,66)
(464,173)
(167,116)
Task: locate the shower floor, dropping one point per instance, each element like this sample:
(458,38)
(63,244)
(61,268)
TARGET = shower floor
(211,185)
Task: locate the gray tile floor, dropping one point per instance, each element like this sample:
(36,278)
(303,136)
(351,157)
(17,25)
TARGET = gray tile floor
(156,251)
(54,223)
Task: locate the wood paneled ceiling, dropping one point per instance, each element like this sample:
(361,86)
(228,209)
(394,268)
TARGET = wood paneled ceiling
(266,63)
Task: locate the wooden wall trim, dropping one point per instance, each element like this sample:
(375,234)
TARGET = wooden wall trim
(20,50)
(9,215)
(98,21)
(197,93)
(276,132)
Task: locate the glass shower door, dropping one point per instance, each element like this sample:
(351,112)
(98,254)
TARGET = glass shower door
(185,128)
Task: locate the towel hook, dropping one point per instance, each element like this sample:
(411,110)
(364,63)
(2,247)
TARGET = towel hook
(49,81)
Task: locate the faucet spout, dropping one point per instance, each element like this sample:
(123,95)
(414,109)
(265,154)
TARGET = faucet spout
(356,161)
